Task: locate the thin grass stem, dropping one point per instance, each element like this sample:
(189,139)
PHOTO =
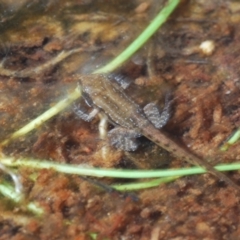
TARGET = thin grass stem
(114,173)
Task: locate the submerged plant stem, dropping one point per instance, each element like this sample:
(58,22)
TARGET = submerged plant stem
(45,116)
(143,185)
(233,139)
(141,39)
(8,191)
(115,173)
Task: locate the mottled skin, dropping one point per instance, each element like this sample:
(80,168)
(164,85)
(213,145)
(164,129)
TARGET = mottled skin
(122,111)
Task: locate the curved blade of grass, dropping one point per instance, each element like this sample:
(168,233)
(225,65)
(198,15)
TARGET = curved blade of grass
(137,44)
(233,139)
(9,192)
(143,185)
(45,116)
(142,38)
(114,173)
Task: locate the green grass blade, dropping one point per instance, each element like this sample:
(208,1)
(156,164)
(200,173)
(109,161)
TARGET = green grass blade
(143,185)
(142,38)
(115,173)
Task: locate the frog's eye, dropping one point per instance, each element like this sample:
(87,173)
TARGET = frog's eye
(121,79)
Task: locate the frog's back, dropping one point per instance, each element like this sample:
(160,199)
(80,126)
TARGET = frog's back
(113,101)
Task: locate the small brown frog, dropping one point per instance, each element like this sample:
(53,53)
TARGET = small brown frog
(131,121)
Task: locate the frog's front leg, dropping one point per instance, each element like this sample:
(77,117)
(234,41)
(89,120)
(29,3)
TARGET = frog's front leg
(157,118)
(124,139)
(81,113)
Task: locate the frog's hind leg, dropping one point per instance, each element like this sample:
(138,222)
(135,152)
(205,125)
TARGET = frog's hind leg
(124,139)
(157,118)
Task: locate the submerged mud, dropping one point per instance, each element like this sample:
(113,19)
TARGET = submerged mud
(204,87)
